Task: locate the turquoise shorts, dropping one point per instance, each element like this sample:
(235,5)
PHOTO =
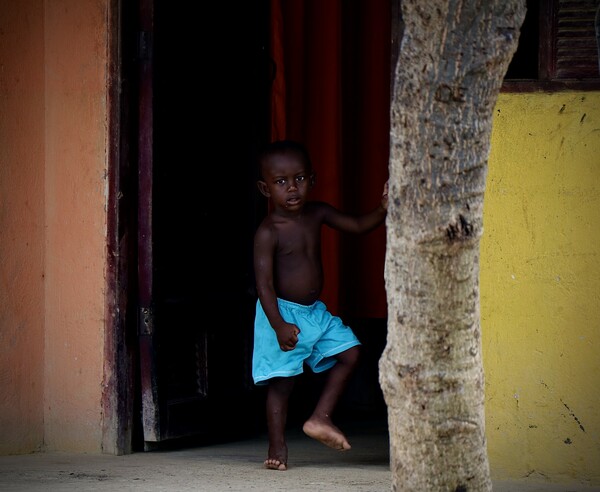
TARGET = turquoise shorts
(321,337)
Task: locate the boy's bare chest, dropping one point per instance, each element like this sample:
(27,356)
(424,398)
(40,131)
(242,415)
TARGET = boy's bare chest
(298,240)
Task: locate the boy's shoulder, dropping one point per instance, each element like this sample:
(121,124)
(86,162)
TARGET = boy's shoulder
(316,205)
(313,208)
(266,221)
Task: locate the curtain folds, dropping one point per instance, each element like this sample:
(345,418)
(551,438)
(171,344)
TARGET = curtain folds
(331,91)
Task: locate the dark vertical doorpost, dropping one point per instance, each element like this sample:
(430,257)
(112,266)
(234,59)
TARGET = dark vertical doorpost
(149,385)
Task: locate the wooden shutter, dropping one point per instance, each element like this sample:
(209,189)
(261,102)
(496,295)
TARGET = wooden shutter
(560,51)
(569,50)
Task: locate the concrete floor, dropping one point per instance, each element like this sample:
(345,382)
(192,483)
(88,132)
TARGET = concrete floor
(233,466)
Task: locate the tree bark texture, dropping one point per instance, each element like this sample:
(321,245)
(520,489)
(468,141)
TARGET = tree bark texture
(453,57)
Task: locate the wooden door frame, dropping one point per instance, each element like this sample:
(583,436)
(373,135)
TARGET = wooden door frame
(119,408)
(122,427)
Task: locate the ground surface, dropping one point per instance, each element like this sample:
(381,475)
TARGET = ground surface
(232,467)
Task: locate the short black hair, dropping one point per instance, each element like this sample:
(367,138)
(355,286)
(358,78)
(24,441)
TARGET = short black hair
(282,147)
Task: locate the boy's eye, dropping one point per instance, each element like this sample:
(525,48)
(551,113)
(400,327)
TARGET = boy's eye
(300,178)
(280,182)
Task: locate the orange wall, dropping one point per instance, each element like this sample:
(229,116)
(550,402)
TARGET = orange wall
(75,193)
(53,125)
(21,226)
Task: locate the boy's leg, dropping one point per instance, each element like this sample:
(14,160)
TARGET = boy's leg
(278,395)
(320,426)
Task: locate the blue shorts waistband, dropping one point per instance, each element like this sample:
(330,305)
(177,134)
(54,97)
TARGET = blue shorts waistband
(294,305)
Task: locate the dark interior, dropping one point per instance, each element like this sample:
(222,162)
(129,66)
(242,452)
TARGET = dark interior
(212,76)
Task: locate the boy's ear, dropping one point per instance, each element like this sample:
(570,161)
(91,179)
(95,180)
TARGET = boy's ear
(312,179)
(263,188)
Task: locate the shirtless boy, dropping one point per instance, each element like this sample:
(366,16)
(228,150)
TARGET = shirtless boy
(292,326)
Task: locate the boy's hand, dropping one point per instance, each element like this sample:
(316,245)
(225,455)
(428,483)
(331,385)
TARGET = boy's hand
(384,196)
(287,336)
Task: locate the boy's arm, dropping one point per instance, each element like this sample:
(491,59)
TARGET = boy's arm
(357,224)
(264,248)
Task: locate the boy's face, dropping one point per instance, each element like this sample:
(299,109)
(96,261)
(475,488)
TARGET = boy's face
(286,181)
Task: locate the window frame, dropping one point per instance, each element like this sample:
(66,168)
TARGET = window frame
(547,59)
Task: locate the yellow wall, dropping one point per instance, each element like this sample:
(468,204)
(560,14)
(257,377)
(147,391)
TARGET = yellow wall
(540,287)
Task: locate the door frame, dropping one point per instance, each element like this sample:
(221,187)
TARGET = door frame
(120,405)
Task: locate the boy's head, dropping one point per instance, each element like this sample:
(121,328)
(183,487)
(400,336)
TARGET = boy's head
(285,174)
(270,155)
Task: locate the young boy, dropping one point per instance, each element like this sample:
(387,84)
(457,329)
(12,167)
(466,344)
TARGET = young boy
(292,326)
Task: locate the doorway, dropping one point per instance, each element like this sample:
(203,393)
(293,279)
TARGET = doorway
(210,74)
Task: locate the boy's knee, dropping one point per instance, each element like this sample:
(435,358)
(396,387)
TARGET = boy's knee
(352,356)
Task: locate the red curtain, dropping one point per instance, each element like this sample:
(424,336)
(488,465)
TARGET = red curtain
(332,92)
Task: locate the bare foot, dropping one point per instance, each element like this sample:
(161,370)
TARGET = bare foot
(277,459)
(273,464)
(327,433)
